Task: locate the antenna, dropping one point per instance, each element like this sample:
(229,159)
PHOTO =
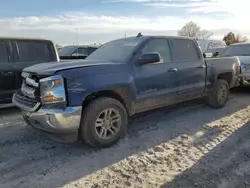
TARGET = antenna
(139,34)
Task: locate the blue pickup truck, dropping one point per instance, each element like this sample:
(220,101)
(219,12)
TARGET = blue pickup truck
(92,99)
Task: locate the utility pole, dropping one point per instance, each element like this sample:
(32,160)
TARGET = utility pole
(77,36)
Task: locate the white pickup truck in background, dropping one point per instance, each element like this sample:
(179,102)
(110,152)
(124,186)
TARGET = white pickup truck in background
(210,47)
(242,51)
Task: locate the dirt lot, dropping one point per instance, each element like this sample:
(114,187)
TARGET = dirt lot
(189,145)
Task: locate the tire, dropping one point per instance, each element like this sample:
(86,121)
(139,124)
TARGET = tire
(90,129)
(215,98)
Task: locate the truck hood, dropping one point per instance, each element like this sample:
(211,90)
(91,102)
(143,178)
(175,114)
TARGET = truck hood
(51,68)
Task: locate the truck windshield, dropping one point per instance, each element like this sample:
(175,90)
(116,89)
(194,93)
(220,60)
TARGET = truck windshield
(118,50)
(236,50)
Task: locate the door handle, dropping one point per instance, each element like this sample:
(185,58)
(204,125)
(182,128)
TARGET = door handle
(201,66)
(173,70)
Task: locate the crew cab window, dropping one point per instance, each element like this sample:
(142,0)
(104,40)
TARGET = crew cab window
(158,45)
(81,51)
(184,50)
(32,51)
(3,53)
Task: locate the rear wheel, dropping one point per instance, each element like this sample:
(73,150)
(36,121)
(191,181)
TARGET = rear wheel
(218,96)
(104,122)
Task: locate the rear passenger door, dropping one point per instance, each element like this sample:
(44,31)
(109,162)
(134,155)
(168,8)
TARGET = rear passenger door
(7,76)
(191,68)
(28,53)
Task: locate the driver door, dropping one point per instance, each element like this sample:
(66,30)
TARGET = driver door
(156,83)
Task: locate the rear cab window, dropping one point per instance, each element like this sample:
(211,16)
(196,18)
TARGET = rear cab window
(184,50)
(35,51)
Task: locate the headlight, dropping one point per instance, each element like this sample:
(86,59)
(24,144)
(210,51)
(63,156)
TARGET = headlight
(52,90)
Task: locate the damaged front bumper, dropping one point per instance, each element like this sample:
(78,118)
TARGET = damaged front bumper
(62,123)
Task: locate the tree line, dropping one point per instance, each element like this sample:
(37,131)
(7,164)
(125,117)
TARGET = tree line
(192,29)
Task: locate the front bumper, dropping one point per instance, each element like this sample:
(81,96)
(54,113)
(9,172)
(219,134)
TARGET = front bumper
(56,121)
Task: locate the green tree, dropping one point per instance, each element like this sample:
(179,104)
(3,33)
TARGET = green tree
(192,29)
(232,38)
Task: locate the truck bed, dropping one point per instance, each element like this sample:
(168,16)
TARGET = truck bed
(215,65)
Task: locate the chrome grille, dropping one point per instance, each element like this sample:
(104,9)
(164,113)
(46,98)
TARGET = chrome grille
(24,102)
(30,86)
(29,79)
(28,91)
(28,97)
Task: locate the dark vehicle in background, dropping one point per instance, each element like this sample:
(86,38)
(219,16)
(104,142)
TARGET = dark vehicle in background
(76,51)
(17,54)
(93,98)
(242,51)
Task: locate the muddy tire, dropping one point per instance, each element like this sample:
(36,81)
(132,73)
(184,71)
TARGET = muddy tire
(218,95)
(104,122)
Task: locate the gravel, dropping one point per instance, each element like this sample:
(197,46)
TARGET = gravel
(189,145)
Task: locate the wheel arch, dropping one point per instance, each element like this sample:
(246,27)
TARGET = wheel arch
(120,94)
(227,76)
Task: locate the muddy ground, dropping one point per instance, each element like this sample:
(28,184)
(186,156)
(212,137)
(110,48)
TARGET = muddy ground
(189,145)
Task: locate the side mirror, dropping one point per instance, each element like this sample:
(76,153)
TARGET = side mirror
(147,58)
(215,54)
(204,55)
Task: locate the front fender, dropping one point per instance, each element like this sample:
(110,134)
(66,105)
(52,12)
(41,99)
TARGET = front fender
(80,87)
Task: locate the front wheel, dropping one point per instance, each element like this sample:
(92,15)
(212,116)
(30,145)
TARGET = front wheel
(218,95)
(104,122)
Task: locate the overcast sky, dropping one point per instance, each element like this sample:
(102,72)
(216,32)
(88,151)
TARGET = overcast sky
(89,21)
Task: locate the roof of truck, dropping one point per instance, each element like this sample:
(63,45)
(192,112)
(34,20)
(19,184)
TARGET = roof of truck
(159,36)
(82,45)
(174,37)
(23,38)
(242,43)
